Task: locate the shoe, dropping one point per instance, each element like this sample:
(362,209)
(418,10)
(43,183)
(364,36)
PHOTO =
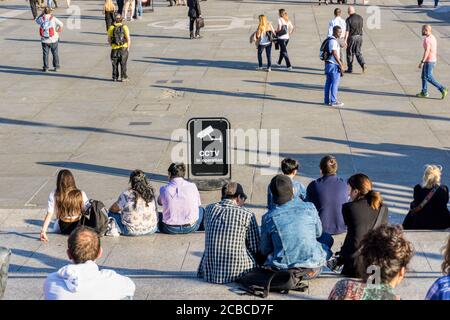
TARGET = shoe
(444,93)
(56,69)
(364,68)
(269,69)
(337,104)
(278,64)
(422,95)
(259,68)
(44,69)
(289,69)
(192,36)
(125,79)
(115,80)
(327,104)
(112,230)
(348,71)
(197,36)
(332,264)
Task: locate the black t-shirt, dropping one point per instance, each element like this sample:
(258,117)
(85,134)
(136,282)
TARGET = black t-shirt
(355,25)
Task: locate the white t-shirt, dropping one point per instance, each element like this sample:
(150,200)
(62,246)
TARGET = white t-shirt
(338,21)
(333,45)
(86,282)
(282,22)
(51,204)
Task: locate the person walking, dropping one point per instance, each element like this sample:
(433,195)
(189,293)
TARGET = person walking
(284,30)
(49,28)
(354,39)
(338,21)
(34,4)
(428,63)
(264,42)
(128,10)
(120,4)
(194,12)
(333,69)
(109,10)
(120,41)
(420,2)
(138,11)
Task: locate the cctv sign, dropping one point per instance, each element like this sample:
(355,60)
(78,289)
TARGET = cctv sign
(208,146)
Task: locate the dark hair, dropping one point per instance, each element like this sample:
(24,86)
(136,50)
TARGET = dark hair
(141,186)
(177,169)
(288,165)
(363,185)
(83,244)
(446,262)
(232,190)
(387,248)
(335,29)
(47,10)
(337,12)
(328,165)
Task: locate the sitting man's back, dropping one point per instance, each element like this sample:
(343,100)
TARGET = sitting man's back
(231,238)
(83,280)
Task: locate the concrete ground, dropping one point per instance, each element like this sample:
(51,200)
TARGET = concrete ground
(78,119)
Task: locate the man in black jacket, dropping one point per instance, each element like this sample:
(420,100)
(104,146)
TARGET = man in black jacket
(194,13)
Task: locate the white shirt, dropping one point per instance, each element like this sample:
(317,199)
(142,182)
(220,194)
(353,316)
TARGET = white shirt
(86,282)
(55,23)
(333,45)
(51,203)
(337,21)
(282,22)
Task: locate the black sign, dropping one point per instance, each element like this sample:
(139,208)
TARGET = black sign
(208,146)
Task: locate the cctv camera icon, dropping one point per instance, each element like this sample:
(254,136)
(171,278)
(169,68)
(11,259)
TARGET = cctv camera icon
(207,133)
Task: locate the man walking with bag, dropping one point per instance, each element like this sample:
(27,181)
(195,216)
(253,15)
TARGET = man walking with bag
(194,13)
(120,41)
(49,29)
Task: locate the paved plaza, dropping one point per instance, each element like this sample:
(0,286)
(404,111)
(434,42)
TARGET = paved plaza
(80,120)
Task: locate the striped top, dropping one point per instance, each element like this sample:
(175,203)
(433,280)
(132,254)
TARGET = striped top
(231,242)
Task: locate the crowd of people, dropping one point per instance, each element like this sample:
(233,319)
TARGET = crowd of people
(296,232)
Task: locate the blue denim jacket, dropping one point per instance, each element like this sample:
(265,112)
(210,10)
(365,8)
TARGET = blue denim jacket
(289,236)
(299,192)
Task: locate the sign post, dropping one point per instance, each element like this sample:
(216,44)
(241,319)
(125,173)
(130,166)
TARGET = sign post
(209,159)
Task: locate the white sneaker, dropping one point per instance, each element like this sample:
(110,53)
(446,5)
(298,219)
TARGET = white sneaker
(337,104)
(269,69)
(289,69)
(113,230)
(259,68)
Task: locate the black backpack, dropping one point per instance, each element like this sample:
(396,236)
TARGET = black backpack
(118,37)
(261,281)
(95,217)
(324,53)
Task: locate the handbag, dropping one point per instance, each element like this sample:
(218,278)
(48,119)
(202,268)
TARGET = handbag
(271,36)
(410,219)
(283,31)
(200,22)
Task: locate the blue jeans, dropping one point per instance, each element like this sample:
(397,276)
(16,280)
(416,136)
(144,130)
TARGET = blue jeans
(327,242)
(268,55)
(46,48)
(427,76)
(333,76)
(283,52)
(197,226)
(138,10)
(123,229)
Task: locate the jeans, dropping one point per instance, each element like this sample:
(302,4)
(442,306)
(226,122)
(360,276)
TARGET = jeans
(192,22)
(119,57)
(33,6)
(327,242)
(333,76)
(120,6)
(138,11)
(427,76)
(53,47)
(268,54)
(354,48)
(197,226)
(283,52)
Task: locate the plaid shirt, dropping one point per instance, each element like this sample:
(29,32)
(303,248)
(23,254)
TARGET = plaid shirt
(231,242)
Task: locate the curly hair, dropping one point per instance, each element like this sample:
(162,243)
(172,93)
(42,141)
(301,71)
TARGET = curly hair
(386,248)
(141,186)
(446,263)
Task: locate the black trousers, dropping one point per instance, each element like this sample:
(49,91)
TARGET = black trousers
(283,52)
(354,49)
(192,22)
(46,48)
(119,57)
(109,19)
(119,6)
(34,9)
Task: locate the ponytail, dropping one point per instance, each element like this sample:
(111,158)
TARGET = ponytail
(141,187)
(375,200)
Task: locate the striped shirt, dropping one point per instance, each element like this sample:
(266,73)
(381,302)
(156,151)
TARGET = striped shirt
(231,242)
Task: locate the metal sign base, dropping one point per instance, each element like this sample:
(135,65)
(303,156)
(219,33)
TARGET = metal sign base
(210,184)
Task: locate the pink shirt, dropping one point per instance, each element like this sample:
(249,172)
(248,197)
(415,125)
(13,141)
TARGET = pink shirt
(430,41)
(180,200)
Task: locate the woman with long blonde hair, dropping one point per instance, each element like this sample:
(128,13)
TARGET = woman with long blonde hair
(429,207)
(67,202)
(109,10)
(263,38)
